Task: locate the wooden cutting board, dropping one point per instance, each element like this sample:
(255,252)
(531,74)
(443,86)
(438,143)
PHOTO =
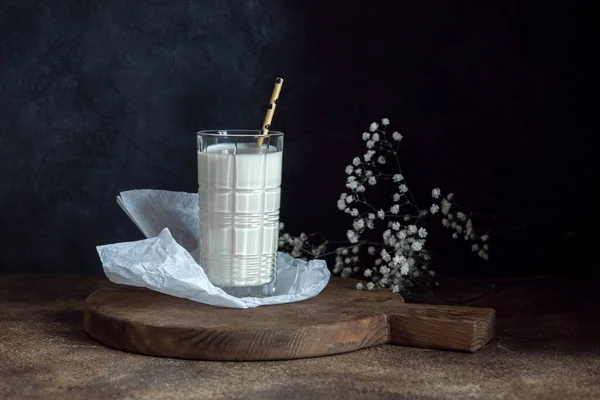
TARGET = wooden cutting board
(339,320)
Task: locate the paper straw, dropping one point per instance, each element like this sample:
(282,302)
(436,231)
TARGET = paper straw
(270,110)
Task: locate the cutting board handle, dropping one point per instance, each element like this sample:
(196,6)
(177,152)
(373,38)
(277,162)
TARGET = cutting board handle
(441,327)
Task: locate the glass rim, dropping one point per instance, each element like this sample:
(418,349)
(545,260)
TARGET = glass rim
(237,133)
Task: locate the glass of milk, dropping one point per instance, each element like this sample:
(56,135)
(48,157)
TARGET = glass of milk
(239,187)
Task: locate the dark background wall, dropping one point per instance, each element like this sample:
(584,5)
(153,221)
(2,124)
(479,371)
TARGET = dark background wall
(97,97)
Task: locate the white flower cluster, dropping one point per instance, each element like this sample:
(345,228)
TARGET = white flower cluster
(460,224)
(299,246)
(401,253)
(346,260)
(398,256)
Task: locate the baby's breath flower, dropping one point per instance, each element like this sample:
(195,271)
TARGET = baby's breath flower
(375,137)
(371,216)
(397,136)
(369,155)
(396,225)
(450,217)
(398,259)
(366,135)
(450,196)
(360,188)
(381,160)
(368,173)
(398,178)
(475,248)
(453,225)
(370,145)
(412,229)
(445,222)
(385,256)
(360,286)
(344,252)
(461,216)
(368,272)
(446,206)
(356,161)
(395,288)
(352,236)
(370,285)
(459,228)
(395,209)
(378,261)
(434,209)
(455,235)
(417,246)
(355,250)
(352,185)
(386,234)
(281,226)
(403,188)
(371,250)
(373,127)
(422,232)
(381,214)
(354,212)
(435,193)
(484,238)
(396,197)
(385,121)
(486,247)
(404,269)
(370,224)
(349,199)
(347,260)
(359,224)
(401,235)
(341,204)
(384,270)
(372,180)
(349,169)
(358,171)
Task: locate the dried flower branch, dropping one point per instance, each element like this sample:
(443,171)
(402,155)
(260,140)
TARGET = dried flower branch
(398,257)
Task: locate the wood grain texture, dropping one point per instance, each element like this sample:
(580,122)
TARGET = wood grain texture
(339,320)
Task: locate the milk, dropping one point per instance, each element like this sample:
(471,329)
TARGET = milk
(239,194)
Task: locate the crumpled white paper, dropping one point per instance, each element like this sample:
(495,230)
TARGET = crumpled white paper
(166,261)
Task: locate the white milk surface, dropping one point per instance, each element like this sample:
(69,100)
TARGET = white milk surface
(239,193)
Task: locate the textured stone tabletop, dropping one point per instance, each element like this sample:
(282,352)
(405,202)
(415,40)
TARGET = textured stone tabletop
(547,346)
